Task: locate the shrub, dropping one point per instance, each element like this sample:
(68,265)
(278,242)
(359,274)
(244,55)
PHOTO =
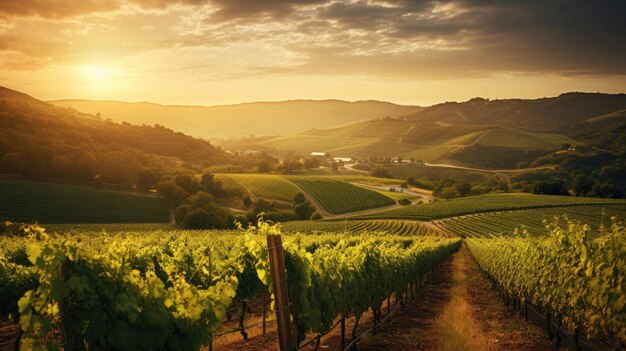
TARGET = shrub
(316,216)
(404,202)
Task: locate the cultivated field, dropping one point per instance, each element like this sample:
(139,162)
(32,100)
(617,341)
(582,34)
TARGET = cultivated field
(338,197)
(28,201)
(483,203)
(263,185)
(504,223)
(396,227)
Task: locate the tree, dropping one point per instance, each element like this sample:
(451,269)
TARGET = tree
(264,167)
(186,182)
(607,190)
(304,210)
(247,201)
(316,216)
(166,189)
(198,211)
(312,162)
(146,179)
(262,206)
(554,187)
(299,199)
(582,184)
(201,218)
(212,186)
(464,188)
(381,172)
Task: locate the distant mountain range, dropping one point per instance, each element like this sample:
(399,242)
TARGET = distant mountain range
(242,120)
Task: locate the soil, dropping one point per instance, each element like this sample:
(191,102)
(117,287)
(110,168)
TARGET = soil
(456,310)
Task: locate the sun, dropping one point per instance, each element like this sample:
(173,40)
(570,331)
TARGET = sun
(96,74)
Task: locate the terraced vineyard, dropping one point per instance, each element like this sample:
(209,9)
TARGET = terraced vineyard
(481,204)
(338,197)
(396,227)
(504,223)
(27,201)
(263,185)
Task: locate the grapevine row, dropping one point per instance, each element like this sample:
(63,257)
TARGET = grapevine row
(576,277)
(165,291)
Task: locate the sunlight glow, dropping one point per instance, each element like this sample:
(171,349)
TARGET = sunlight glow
(96,74)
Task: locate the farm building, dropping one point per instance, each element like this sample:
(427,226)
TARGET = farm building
(343,159)
(319,154)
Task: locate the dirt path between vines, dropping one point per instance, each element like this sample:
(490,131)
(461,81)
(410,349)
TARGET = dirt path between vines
(458,311)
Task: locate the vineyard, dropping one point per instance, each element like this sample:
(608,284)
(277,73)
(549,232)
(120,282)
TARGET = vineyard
(171,291)
(338,197)
(483,203)
(395,227)
(26,201)
(504,223)
(262,185)
(576,278)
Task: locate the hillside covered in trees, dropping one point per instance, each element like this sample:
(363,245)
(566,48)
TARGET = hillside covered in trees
(43,141)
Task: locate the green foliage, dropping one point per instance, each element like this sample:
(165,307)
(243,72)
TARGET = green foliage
(264,185)
(579,279)
(28,201)
(146,179)
(503,223)
(247,201)
(395,227)
(316,216)
(299,199)
(304,210)
(171,291)
(404,202)
(336,196)
(381,172)
(199,211)
(70,145)
(482,203)
(554,187)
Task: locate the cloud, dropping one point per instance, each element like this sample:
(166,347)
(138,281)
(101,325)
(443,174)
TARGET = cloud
(58,9)
(385,38)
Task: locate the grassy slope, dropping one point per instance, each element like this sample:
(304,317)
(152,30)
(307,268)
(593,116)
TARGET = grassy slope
(483,203)
(524,140)
(27,201)
(305,143)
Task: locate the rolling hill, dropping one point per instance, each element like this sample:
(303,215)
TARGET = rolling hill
(240,120)
(539,115)
(498,134)
(40,140)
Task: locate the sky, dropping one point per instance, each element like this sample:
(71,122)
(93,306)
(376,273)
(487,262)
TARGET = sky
(227,51)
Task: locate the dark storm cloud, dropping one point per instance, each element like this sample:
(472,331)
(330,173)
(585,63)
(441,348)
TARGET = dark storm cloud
(585,37)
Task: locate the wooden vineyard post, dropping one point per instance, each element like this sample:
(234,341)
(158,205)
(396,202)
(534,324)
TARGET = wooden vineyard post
(264,312)
(343,332)
(281,297)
